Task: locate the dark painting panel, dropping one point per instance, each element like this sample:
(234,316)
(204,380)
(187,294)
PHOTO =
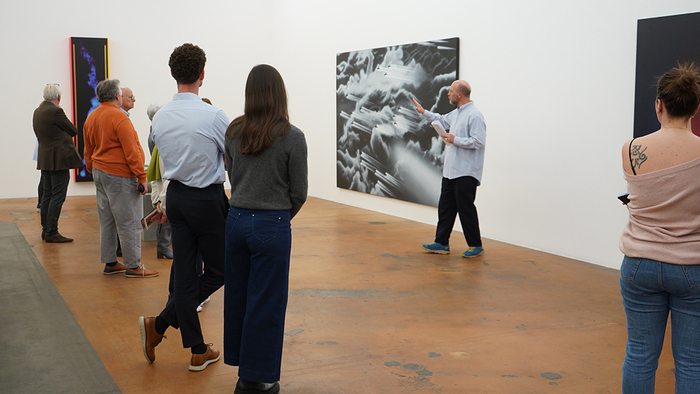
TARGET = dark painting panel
(662,43)
(384,147)
(90,61)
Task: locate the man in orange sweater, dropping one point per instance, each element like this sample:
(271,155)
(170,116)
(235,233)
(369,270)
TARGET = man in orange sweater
(114,156)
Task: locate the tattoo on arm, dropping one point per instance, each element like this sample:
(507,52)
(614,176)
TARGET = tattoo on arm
(638,156)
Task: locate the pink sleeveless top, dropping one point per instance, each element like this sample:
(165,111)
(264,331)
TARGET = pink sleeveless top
(664,215)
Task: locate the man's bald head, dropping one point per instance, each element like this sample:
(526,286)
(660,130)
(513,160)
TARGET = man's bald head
(459,93)
(128,99)
(463,87)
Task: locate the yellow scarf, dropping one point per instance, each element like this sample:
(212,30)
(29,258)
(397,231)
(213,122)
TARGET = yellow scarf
(153,172)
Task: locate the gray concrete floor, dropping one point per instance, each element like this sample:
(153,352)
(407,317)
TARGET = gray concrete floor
(43,349)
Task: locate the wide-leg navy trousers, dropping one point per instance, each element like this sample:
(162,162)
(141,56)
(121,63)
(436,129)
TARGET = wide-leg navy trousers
(258,247)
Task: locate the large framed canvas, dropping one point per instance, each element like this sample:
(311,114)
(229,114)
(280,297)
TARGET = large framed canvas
(662,43)
(89,57)
(384,147)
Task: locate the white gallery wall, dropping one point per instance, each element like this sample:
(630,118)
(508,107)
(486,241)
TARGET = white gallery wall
(554,79)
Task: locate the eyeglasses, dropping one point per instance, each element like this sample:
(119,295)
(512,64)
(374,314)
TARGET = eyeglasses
(133,98)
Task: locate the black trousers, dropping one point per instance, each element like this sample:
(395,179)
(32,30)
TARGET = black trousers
(198,221)
(55,185)
(40,189)
(458,196)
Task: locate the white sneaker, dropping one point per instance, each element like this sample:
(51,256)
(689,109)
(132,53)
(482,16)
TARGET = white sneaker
(199,308)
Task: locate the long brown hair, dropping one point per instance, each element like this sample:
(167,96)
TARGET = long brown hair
(265,115)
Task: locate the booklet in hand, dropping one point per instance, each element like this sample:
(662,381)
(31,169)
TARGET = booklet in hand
(147,221)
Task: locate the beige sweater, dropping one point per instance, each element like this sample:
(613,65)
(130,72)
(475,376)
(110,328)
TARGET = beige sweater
(664,209)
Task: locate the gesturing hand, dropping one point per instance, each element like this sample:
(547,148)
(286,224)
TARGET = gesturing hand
(419,107)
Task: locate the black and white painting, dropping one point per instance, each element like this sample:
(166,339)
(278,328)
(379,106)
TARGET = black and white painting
(384,146)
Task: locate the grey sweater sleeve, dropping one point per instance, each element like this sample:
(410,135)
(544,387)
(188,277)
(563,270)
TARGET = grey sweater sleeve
(298,171)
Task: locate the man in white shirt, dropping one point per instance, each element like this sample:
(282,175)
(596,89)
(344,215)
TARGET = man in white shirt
(462,170)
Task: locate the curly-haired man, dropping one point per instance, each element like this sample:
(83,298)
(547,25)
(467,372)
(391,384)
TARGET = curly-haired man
(189,135)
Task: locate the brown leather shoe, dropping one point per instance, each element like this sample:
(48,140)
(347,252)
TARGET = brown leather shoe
(117,269)
(200,361)
(140,272)
(57,239)
(149,337)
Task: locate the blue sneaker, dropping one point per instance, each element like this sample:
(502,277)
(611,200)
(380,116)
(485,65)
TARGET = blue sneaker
(437,248)
(473,252)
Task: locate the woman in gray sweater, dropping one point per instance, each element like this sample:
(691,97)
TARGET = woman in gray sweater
(266,160)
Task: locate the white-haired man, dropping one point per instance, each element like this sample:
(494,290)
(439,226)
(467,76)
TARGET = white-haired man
(114,156)
(56,156)
(128,100)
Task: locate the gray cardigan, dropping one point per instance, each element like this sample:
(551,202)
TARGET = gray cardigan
(276,179)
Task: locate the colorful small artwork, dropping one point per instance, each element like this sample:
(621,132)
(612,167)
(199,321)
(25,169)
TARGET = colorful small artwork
(89,57)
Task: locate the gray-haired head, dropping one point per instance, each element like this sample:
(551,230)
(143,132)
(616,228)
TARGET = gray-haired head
(107,90)
(152,109)
(52,91)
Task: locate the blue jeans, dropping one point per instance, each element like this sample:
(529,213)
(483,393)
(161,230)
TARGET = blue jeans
(258,247)
(650,290)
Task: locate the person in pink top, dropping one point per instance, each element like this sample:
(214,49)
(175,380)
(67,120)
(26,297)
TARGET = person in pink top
(660,273)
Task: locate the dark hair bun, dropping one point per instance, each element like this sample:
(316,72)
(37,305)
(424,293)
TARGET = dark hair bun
(679,90)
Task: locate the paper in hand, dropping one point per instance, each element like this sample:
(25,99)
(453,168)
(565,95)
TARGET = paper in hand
(440,130)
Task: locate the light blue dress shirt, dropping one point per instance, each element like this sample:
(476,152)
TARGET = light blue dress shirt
(189,134)
(466,156)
